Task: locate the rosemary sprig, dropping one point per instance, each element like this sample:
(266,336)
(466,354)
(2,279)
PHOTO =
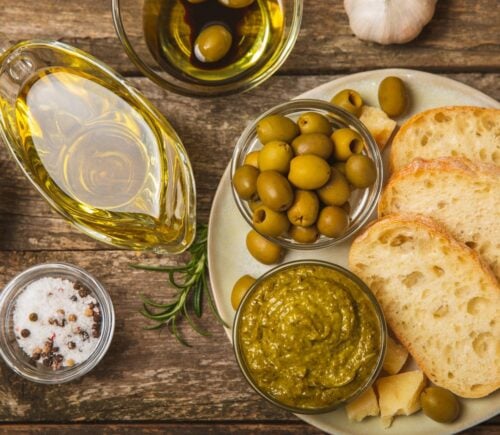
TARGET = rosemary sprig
(190,281)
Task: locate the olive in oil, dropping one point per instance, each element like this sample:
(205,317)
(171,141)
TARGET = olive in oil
(172,26)
(103,159)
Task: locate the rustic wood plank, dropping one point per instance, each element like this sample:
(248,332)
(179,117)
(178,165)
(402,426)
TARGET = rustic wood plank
(297,428)
(186,429)
(209,128)
(463,36)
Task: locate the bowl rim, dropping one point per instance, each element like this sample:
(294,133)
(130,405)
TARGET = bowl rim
(373,302)
(249,134)
(17,285)
(206,90)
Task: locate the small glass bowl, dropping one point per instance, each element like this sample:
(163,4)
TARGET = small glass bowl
(18,360)
(363,201)
(128,21)
(345,274)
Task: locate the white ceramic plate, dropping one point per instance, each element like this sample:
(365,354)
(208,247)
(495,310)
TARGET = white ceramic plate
(228,258)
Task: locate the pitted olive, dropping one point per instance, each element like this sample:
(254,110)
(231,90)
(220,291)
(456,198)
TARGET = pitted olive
(346,142)
(318,144)
(332,221)
(213,43)
(308,172)
(275,156)
(360,171)
(252,159)
(240,288)
(274,190)
(336,191)
(263,250)
(277,127)
(304,209)
(303,234)
(439,404)
(349,100)
(312,122)
(392,96)
(245,181)
(269,222)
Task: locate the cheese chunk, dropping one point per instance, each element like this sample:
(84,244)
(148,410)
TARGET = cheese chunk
(363,406)
(395,357)
(399,395)
(378,124)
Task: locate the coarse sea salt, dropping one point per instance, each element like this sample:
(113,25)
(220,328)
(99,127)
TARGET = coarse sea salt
(67,322)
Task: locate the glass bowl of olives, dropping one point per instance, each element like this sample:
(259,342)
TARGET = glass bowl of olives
(207,47)
(306,174)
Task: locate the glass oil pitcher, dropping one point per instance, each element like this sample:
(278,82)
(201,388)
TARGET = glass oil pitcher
(95,148)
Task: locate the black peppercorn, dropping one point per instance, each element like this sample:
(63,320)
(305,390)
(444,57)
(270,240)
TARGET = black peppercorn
(25,333)
(33,317)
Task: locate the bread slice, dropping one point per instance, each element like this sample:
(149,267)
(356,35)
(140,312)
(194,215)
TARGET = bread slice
(438,297)
(472,132)
(462,195)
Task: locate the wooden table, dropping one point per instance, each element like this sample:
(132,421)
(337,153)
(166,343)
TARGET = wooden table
(148,382)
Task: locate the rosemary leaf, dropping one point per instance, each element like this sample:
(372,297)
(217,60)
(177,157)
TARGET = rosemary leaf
(190,281)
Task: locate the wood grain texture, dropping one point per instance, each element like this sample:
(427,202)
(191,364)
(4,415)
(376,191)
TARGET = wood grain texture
(209,129)
(463,36)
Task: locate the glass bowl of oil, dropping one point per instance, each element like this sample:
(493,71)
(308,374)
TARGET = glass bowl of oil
(163,39)
(95,148)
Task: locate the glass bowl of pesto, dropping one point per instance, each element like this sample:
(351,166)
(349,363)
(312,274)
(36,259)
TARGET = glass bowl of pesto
(309,336)
(357,205)
(250,40)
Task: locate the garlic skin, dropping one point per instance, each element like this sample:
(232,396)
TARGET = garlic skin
(389,21)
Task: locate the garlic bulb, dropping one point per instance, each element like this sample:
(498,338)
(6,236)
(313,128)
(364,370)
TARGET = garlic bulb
(389,21)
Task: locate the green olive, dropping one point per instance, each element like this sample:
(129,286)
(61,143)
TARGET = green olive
(236,4)
(252,159)
(254,204)
(275,156)
(318,144)
(439,404)
(240,288)
(304,209)
(277,127)
(269,222)
(213,43)
(263,250)
(349,100)
(303,234)
(308,172)
(312,122)
(392,96)
(339,166)
(245,181)
(274,190)
(336,191)
(332,221)
(360,171)
(346,142)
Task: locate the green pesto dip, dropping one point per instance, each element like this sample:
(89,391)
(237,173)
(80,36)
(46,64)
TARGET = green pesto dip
(310,336)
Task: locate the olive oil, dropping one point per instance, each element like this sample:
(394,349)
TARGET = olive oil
(104,159)
(172,26)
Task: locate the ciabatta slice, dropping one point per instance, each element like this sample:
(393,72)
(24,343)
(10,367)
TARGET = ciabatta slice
(438,297)
(471,132)
(462,195)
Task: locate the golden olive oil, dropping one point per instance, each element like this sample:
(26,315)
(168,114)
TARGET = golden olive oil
(103,159)
(172,26)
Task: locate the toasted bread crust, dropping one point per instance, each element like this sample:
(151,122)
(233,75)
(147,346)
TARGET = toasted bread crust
(406,140)
(476,381)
